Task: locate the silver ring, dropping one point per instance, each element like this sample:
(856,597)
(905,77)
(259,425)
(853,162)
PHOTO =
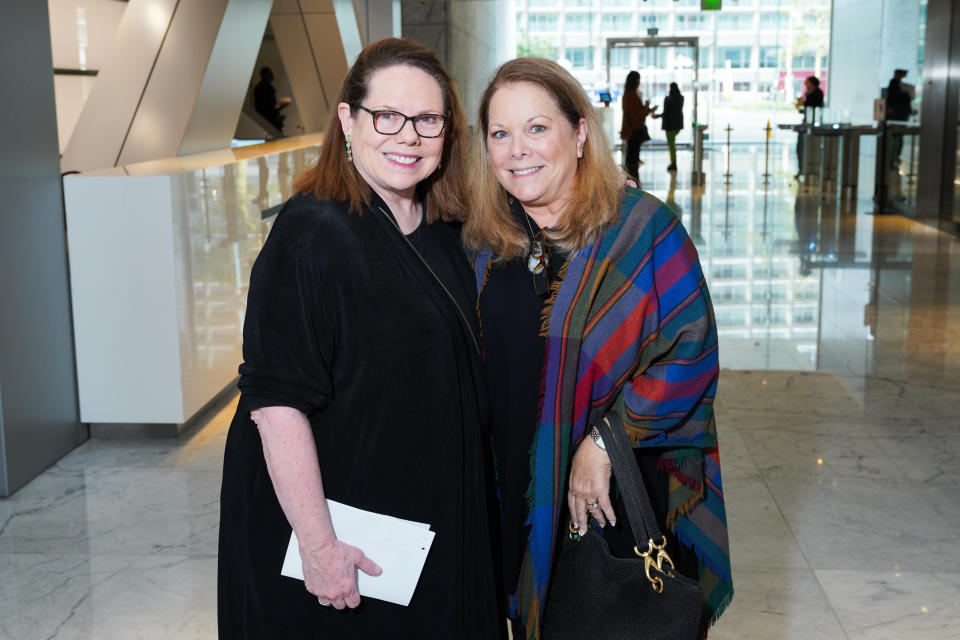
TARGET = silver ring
(593,505)
(324,604)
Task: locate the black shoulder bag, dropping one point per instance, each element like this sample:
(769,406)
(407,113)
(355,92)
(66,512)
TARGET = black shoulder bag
(596,595)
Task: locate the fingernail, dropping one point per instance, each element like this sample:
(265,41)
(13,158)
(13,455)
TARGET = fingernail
(576,526)
(601,524)
(613,523)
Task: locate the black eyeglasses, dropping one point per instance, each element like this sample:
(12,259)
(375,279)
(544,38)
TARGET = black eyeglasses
(427,125)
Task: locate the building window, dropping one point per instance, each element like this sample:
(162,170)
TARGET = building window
(620,58)
(738,57)
(649,21)
(577,22)
(703,57)
(773,21)
(768,57)
(576,3)
(617,22)
(541,22)
(804,61)
(735,22)
(693,23)
(741,86)
(543,3)
(580,57)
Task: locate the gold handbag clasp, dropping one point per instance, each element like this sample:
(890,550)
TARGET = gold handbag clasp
(656,561)
(574,532)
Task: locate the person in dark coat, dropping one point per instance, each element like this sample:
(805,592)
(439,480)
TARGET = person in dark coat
(361,379)
(633,127)
(898,109)
(265,100)
(672,121)
(812,99)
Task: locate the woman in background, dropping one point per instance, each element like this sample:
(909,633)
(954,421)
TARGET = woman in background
(672,121)
(810,101)
(633,127)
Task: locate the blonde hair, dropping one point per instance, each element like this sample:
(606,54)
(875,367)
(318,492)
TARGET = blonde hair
(594,200)
(335,178)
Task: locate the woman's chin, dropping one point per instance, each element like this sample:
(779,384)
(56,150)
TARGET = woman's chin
(525,194)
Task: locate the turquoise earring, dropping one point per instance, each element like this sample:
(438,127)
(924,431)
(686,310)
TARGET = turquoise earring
(349,152)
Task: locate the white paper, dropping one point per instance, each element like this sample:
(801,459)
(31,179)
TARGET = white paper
(400,547)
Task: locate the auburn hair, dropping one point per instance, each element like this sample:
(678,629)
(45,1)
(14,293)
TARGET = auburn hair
(593,203)
(334,178)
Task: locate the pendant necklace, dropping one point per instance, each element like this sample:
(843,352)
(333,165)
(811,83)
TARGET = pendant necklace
(537,257)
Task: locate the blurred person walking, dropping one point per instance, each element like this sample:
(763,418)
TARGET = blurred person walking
(672,121)
(633,127)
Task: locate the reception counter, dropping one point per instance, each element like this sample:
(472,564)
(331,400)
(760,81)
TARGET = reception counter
(160,255)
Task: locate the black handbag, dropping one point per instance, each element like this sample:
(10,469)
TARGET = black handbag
(644,134)
(596,595)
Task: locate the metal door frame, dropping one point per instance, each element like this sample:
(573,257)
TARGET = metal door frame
(657,42)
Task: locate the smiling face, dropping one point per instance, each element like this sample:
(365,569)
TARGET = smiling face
(532,146)
(393,165)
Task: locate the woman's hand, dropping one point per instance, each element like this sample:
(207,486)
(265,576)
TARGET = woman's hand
(590,483)
(329,565)
(330,573)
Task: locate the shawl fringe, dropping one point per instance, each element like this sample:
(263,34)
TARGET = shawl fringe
(548,307)
(684,508)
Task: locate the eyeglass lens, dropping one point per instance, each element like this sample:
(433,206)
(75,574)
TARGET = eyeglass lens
(391,122)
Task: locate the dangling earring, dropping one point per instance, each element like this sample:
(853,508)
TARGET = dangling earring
(580,151)
(349,152)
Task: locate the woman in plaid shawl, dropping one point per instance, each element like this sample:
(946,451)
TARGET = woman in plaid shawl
(592,300)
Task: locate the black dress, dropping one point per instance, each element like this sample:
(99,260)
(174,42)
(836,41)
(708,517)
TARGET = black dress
(346,323)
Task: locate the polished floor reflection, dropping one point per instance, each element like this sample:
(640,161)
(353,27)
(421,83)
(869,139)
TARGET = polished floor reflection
(837,411)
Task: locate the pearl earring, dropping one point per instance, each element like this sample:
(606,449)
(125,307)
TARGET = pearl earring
(580,151)
(349,152)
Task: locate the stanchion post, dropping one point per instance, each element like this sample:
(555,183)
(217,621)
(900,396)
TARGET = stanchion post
(728,174)
(910,173)
(766,155)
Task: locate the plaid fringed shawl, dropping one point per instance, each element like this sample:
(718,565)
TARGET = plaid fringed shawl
(630,328)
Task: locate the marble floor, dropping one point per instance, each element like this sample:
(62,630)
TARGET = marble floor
(839,429)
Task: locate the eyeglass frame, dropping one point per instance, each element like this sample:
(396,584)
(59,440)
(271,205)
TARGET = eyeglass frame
(373,116)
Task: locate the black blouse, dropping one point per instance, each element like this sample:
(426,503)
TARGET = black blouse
(510,310)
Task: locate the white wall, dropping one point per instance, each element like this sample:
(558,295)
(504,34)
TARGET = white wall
(481,38)
(81,33)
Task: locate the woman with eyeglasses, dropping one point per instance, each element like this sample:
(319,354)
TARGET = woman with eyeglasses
(361,381)
(592,300)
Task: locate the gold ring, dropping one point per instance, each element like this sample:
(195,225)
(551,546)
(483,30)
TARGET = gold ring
(324,604)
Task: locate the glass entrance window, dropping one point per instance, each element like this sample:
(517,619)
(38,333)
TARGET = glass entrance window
(753,55)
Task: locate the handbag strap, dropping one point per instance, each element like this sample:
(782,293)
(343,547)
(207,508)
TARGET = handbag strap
(640,514)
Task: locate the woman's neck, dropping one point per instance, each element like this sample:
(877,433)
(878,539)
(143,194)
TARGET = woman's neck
(547,216)
(406,211)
